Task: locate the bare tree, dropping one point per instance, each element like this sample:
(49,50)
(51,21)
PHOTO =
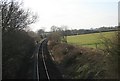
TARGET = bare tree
(16,43)
(63,30)
(60,32)
(41,33)
(54,28)
(14,17)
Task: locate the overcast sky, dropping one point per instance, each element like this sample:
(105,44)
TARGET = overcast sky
(76,14)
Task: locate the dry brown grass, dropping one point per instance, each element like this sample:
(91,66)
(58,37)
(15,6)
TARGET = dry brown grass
(62,50)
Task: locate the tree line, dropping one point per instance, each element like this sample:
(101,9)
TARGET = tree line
(17,44)
(88,31)
(64,31)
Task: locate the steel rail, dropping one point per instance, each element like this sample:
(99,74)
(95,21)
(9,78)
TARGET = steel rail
(41,46)
(46,70)
(37,69)
(37,57)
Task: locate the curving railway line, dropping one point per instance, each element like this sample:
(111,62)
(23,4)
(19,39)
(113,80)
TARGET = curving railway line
(44,67)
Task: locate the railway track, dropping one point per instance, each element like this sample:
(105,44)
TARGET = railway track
(43,65)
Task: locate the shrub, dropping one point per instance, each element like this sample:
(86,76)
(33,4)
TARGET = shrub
(17,49)
(79,62)
(112,52)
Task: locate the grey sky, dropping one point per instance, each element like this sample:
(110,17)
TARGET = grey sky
(119,13)
(76,14)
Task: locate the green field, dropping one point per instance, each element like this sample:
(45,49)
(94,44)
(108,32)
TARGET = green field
(90,40)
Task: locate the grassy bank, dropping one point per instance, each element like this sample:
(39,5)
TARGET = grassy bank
(82,62)
(79,62)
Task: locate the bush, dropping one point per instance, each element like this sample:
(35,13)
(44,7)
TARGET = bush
(17,49)
(79,62)
(112,51)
